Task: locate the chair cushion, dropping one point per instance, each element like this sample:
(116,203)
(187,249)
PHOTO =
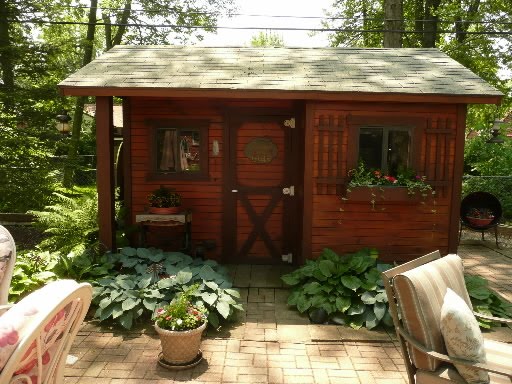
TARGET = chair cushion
(421,293)
(449,375)
(462,337)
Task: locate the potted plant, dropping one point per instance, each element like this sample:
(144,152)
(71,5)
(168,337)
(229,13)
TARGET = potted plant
(480,217)
(374,184)
(180,325)
(164,201)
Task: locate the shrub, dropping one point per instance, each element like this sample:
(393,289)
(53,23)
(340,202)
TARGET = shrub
(348,288)
(151,278)
(485,301)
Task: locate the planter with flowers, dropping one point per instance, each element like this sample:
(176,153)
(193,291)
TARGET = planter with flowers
(180,326)
(480,217)
(164,201)
(373,185)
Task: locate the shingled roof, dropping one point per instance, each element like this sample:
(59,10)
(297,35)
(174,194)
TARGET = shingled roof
(124,70)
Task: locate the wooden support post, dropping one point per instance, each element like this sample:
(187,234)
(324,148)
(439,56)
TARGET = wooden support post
(453,235)
(105,172)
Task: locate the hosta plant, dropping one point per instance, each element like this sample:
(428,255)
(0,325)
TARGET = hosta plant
(151,278)
(347,288)
(485,301)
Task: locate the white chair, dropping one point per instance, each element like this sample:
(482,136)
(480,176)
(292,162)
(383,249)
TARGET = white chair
(7,260)
(37,332)
(420,295)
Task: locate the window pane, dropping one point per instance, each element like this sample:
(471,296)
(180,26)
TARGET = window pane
(166,144)
(189,151)
(398,150)
(370,147)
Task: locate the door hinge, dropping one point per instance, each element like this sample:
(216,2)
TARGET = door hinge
(290,123)
(289,190)
(287,258)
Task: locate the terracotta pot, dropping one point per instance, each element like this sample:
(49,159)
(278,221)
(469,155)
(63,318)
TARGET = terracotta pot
(164,211)
(180,347)
(478,222)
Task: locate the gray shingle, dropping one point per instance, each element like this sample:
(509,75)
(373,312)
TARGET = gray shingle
(412,71)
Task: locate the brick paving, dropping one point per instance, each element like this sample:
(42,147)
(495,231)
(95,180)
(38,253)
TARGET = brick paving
(269,343)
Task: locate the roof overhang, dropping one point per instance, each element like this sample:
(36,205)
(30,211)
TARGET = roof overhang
(279,94)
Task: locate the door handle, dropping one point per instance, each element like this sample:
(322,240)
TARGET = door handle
(234,190)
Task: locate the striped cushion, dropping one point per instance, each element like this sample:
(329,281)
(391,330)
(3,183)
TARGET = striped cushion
(420,292)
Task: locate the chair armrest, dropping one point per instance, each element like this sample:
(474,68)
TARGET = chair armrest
(489,366)
(4,308)
(492,318)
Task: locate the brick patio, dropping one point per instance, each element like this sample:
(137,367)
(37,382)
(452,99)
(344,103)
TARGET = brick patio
(270,343)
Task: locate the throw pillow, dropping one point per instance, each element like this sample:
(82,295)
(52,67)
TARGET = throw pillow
(462,337)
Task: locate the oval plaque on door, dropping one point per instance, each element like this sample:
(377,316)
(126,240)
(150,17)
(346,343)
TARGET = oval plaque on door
(261,150)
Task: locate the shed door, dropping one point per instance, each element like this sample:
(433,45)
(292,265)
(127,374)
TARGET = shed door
(260,190)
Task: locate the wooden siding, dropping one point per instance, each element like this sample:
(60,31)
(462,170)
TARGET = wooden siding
(203,197)
(400,230)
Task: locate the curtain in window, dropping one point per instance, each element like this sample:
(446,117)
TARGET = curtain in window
(168,162)
(183,155)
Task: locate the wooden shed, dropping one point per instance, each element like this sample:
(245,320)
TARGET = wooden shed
(261,141)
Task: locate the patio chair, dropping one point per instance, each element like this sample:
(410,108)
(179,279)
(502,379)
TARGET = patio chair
(419,294)
(7,260)
(37,332)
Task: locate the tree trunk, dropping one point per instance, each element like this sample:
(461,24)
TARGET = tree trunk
(430,23)
(461,27)
(393,23)
(80,101)
(124,19)
(6,56)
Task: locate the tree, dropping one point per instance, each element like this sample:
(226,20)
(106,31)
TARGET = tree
(472,32)
(123,21)
(267,39)
(393,24)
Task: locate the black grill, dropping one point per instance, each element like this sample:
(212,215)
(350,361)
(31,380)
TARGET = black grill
(483,202)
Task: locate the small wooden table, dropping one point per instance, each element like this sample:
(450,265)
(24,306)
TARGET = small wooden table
(183,219)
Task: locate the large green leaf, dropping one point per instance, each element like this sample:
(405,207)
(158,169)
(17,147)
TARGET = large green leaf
(356,309)
(370,319)
(213,319)
(351,282)
(144,281)
(129,303)
(183,277)
(125,283)
(117,311)
(223,308)
(368,297)
(212,285)
(208,297)
(207,273)
(128,251)
(312,288)
(149,303)
(327,267)
(380,310)
(144,253)
(290,279)
(303,303)
(233,292)
(166,283)
(343,303)
(126,320)
(105,302)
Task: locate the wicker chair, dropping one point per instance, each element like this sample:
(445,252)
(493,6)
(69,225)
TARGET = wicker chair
(37,332)
(416,292)
(7,260)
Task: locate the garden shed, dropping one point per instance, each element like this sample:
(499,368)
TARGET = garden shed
(260,142)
